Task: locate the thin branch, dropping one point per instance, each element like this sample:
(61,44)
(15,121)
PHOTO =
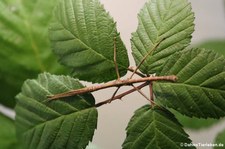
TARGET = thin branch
(116,83)
(115,62)
(145,57)
(131,69)
(120,96)
(141,92)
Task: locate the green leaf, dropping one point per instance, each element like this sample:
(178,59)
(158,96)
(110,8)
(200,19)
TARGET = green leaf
(200,88)
(217,45)
(25,47)
(67,123)
(220,140)
(154,128)
(82,35)
(159,19)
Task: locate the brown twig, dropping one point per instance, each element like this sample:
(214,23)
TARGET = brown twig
(120,96)
(116,83)
(145,57)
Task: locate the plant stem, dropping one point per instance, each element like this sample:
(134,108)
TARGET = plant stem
(116,83)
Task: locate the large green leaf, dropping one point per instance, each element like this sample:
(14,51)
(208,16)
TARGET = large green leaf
(8,138)
(159,19)
(25,47)
(154,128)
(220,140)
(82,35)
(67,123)
(200,88)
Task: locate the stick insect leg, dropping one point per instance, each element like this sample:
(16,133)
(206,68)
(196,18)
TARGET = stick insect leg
(114,94)
(137,89)
(115,62)
(145,57)
(151,94)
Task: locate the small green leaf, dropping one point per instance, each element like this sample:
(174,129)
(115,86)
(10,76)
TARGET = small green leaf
(67,123)
(220,140)
(154,128)
(8,138)
(25,47)
(200,88)
(159,19)
(82,35)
